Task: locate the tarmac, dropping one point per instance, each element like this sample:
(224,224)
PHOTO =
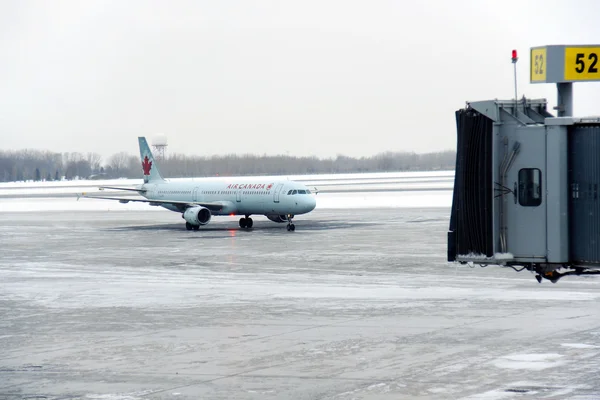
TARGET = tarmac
(355,304)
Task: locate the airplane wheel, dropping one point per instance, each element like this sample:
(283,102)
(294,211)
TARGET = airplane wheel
(196,227)
(292,227)
(289,228)
(243,223)
(188,226)
(249,223)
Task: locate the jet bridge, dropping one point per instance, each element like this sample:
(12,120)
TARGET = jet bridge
(526,182)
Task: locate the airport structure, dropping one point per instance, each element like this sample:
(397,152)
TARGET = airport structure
(160,146)
(526,190)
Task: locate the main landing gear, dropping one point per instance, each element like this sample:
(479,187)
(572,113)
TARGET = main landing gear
(189,226)
(246,223)
(290,226)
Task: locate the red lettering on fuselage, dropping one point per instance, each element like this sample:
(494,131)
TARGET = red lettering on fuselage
(255,186)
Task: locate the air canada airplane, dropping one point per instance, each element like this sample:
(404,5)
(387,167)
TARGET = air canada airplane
(198,201)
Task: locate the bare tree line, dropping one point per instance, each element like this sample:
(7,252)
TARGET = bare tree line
(38,165)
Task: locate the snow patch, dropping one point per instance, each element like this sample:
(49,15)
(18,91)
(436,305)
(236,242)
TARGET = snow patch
(119,396)
(415,199)
(579,345)
(495,394)
(533,357)
(64,204)
(438,390)
(534,362)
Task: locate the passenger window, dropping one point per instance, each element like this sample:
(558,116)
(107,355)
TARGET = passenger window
(530,187)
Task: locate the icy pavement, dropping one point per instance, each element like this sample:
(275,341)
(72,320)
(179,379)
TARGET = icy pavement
(356,304)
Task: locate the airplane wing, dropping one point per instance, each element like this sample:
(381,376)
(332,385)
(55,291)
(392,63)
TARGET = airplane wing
(122,188)
(183,204)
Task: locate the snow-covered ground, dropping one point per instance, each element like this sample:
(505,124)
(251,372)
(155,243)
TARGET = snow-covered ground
(358,303)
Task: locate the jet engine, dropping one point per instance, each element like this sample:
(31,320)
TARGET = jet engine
(197,215)
(277,218)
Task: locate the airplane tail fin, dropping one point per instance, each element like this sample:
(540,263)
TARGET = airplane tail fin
(149,165)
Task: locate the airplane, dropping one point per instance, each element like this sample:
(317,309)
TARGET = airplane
(198,201)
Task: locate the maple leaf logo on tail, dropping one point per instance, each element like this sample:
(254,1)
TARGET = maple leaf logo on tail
(149,165)
(146,166)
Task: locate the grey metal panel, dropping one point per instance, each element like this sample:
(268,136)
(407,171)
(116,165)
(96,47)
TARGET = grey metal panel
(572,120)
(538,112)
(489,108)
(584,205)
(526,225)
(524,118)
(555,67)
(560,121)
(588,120)
(564,99)
(557,191)
(529,111)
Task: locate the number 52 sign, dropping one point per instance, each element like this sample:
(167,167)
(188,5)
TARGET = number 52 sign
(538,64)
(581,63)
(565,63)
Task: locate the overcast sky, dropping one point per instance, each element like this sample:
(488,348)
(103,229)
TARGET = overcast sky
(305,77)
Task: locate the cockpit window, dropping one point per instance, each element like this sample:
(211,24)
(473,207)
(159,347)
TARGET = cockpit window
(307,191)
(301,192)
(289,192)
(294,192)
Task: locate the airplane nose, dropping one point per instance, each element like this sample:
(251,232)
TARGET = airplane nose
(311,203)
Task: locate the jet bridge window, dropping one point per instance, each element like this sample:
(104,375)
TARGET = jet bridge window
(530,187)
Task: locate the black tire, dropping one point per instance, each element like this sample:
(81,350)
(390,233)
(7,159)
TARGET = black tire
(188,226)
(292,227)
(196,227)
(243,223)
(249,223)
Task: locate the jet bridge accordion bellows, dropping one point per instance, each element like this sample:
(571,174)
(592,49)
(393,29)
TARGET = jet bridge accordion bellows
(471,218)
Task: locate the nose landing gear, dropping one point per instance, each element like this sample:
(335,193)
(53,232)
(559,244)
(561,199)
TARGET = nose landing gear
(290,226)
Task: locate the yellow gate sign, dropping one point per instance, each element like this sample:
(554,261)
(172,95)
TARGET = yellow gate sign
(582,63)
(564,63)
(538,64)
